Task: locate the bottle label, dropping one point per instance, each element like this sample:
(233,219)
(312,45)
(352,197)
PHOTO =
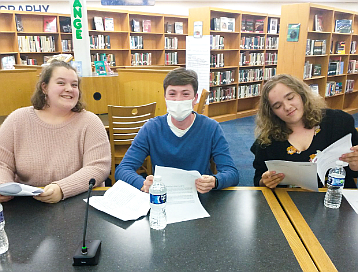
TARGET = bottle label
(158,199)
(2,219)
(335,181)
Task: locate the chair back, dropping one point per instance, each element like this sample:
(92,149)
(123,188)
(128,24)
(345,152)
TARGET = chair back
(199,107)
(124,124)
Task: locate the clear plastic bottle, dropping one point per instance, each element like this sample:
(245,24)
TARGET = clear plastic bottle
(158,201)
(335,184)
(4,242)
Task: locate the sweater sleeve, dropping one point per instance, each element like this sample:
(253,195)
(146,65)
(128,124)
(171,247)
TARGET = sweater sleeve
(96,161)
(133,159)
(227,174)
(259,161)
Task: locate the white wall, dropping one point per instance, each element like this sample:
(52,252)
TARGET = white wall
(175,6)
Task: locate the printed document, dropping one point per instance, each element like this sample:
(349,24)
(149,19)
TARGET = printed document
(122,201)
(19,189)
(352,197)
(183,203)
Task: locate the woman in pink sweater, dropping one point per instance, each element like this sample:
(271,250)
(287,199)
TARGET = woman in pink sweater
(55,143)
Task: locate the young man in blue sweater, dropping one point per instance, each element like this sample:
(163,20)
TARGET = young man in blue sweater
(181,139)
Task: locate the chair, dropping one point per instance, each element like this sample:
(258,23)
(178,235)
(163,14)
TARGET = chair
(199,107)
(124,124)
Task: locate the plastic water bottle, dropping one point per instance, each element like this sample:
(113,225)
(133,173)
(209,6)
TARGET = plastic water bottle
(4,242)
(335,186)
(158,201)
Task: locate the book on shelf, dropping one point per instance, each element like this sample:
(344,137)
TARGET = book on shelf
(307,70)
(223,24)
(272,27)
(78,66)
(108,24)
(136,42)
(178,27)
(135,25)
(8,62)
(100,68)
(353,47)
(98,23)
(65,24)
(349,86)
(259,25)
(318,22)
(215,24)
(314,88)
(317,69)
(19,26)
(249,25)
(243,25)
(168,27)
(147,25)
(353,66)
(343,26)
(231,24)
(340,47)
(50,24)
(318,47)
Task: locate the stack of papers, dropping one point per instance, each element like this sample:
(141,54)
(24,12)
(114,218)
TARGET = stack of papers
(18,189)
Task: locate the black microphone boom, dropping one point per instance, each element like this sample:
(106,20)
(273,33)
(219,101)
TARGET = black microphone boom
(87,253)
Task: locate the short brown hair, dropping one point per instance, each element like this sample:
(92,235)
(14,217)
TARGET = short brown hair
(38,98)
(269,126)
(181,77)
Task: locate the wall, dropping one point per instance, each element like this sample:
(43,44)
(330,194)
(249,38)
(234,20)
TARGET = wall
(175,6)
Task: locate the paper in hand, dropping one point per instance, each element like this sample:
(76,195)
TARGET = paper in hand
(18,189)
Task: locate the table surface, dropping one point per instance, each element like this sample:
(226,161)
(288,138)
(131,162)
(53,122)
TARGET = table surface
(246,231)
(330,235)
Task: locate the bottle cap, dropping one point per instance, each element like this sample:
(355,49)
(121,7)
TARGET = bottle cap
(340,163)
(157,178)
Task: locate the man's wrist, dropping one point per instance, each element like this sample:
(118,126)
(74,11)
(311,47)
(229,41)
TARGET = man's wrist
(216,182)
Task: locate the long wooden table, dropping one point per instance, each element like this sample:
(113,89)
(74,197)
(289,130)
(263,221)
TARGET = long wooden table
(247,231)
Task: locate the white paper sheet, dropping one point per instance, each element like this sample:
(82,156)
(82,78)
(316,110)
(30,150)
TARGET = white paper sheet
(303,174)
(328,157)
(183,203)
(122,201)
(352,198)
(18,189)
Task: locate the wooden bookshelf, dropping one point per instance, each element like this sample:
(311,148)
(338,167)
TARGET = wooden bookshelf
(33,25)
(238,54)
(292,55)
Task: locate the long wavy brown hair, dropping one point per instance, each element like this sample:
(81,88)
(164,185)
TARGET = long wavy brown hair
(270,127)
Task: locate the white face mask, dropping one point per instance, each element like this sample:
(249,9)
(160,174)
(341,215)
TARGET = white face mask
(179,109)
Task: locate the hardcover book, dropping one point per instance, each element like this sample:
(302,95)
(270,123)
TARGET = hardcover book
(135,25)
(178,27)
(231,24)
(223,23)
(259,26)
(316,69)
(318,22)
(65,24)
(108,24)
(340,47)
(50,24)
(147,26)
(273,22)
(100,68)
(98,23)
(168,28)
(19,26)
(249,27)
(343,26)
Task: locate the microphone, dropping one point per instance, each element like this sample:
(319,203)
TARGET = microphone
(87,253)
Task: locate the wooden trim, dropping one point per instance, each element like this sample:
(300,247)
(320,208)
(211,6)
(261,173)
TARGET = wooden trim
(313,246)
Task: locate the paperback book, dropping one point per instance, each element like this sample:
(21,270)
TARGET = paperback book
(273,22)
(100,68)
(19,26)
(178,26)
(147,26)
(108,24)
(135,25)
(98,23)
(318,22)
(65,24)
(259,26)
(50,24)
(343,26)
(317,69)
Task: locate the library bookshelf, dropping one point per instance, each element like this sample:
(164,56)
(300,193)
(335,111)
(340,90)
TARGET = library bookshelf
(249,53)
(116,42)
(337,82)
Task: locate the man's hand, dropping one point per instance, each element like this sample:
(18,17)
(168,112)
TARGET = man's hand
(205,183)
(270,179)
(52,194)
(5,198)
(147,183)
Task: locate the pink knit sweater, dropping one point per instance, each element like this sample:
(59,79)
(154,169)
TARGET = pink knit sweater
(69,154)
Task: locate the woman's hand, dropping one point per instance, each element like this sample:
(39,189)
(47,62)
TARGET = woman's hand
(351,158)
(5,198)
(52,194)
(270,179)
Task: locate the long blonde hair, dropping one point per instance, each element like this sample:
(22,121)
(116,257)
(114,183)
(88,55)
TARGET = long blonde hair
(270,127)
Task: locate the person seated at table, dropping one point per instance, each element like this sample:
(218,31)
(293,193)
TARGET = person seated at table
(55,143)
(181,139)
(293,124)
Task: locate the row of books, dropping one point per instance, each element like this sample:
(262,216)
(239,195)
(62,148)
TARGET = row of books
(171,43)
(341,25)
(218,94)
(49,23)
(272,43)
(138,59)
(333,88)
(271,58)
(66,45)
(310,70)
(171,58)
(249,75)
(316,47)
(136,42)
(100,24)
(269,73)
(353,47)
(256,42)
(222,77)
(109,58)
(249,90)
(28,61)
(335,67)
(353,66)
(216,42)
(251,59)
(251,25)
(225,24)
(217,60)
(36,43)
(100,42)
(177,27)
(141,26)
(349,86)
